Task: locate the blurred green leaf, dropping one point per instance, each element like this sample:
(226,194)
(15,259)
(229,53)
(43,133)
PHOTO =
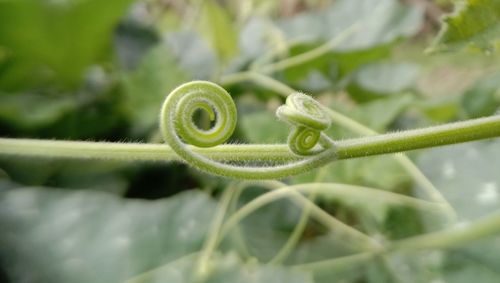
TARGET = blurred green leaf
(94,237)
(467,176)
(216,25)
(93,111)
(483,98)
(147,86)
(193,54)
(59,34)
(264,127)
(132,42)
(476,262)
(369,41)
(379,22)
(441,108)
(17,74)
(475,22)
(60,236)
(32,111)
(68,174)
(379,80)
(379,114)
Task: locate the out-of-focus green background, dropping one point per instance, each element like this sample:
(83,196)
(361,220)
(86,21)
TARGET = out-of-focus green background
(98,70)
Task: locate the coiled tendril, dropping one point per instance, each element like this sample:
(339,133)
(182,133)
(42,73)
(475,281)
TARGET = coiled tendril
(302,112)
(308,120)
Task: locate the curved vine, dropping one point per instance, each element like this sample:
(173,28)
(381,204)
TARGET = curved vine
(305,115)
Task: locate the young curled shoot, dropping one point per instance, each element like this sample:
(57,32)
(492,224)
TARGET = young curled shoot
(308,147)
(307,142)
(306,116)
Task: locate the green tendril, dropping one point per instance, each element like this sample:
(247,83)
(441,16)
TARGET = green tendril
(306,116)
(308,120)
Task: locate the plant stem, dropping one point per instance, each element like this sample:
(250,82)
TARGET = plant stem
(138,151)
(339,263)
(213,235)
(312,54)
(446,134)
(453,133)
(259,79)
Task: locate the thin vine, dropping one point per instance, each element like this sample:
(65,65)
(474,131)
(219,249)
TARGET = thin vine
(308,147)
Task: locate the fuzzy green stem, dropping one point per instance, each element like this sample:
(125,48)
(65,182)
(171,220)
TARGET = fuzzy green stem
(452,133)
(458,132)
(139,151)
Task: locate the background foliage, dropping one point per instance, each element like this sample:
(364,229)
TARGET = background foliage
(99,70)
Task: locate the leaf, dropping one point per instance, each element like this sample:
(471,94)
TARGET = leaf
(148,85)
(476,262)
(380,22)
(132,42)
(59,34)
(83,236)
(16,74)
(193,54)
(264,127)
(441,108)
(94,237)
(69,174)
(93,111)
(32,111)
(467,176)
(369,28)
(216,25)
(483,98)
(378,80)
(474,23)
(379,114)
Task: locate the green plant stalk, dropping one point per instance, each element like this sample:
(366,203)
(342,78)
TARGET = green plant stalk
(237,233)
(138,151)
(211,240)
(459,132)
(259,79)
(311,54)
